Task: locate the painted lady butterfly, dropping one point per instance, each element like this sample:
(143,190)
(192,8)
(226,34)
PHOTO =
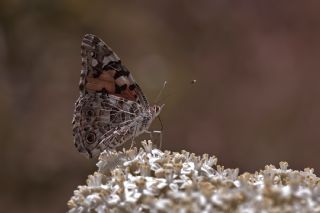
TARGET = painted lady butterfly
(112,108)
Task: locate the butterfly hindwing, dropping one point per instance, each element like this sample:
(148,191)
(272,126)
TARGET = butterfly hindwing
(98,118)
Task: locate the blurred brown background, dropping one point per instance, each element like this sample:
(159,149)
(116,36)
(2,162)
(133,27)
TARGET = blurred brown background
(256,100)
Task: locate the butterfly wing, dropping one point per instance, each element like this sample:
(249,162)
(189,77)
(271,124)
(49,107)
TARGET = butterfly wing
(102,71)
(103,123)
(110,100)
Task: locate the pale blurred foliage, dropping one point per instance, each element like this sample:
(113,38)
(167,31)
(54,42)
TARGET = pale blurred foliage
(256,100)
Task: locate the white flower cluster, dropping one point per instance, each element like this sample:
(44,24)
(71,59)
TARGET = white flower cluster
(150,180)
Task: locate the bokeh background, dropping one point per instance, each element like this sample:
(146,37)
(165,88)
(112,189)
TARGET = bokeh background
(256,100)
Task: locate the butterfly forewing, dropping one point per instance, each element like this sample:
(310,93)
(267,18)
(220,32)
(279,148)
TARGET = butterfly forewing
(102,71)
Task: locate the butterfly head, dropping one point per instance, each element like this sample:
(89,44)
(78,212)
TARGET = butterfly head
(155,110)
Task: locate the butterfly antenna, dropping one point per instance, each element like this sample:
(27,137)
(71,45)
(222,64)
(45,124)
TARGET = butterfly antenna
(191,83)
(160,92)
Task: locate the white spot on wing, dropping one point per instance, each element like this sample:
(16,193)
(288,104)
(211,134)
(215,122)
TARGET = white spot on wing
(106,60)
(94,62)
(122,80)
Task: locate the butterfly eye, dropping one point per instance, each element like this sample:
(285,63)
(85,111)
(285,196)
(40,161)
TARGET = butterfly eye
(157,108)
(91,137)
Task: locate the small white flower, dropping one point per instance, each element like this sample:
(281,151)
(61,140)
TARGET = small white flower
(151,180)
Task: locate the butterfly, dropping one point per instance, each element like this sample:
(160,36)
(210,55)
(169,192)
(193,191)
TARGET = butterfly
(111,108)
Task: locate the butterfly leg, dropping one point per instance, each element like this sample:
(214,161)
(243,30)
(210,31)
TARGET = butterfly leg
(134,135)
(151,136)
(160,136)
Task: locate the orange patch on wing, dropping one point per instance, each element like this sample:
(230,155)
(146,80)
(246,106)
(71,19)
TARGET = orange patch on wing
(107,82)
(107,75)
(97,84)
(127,94)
